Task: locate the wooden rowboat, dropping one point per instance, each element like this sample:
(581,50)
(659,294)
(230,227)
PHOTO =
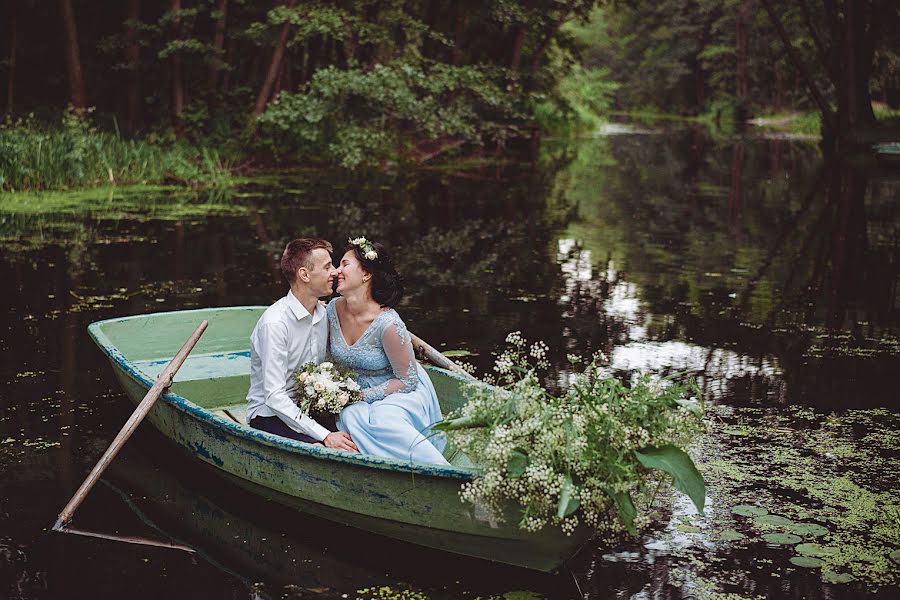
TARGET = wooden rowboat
(204,413)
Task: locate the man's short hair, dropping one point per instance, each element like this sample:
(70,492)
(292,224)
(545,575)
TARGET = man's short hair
(299,254)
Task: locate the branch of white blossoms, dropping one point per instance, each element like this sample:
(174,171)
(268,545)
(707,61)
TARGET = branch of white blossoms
(577,458)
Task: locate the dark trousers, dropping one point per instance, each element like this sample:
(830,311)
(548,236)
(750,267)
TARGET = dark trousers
(278,427)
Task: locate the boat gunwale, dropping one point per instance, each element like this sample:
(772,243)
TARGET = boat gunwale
(255,435)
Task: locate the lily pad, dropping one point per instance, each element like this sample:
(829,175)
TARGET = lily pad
(747,510)
(807,561)
(782,538)
(688,528)
(815,550)
(834,577)
(457,353)
(808,529)
(776,520)
(730,535)
(895,556)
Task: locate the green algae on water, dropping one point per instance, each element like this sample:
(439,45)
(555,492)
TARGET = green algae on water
(776,520)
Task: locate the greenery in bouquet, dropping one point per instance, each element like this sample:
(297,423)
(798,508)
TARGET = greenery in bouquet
(325,387)
(582,456)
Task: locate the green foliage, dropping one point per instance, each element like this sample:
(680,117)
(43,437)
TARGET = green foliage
(76,154)
(361,118)
(576,457)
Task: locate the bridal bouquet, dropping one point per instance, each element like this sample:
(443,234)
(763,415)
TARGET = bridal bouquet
(324,388)
(592,453)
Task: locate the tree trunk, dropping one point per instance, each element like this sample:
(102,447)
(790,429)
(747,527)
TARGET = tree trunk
(545,43)
(177,76)
(218,45)
(266,90)
(854,98)
(73,56)
(741,37)
(461,20)
(133,54)
(11,74)
(519,39)
(828,117)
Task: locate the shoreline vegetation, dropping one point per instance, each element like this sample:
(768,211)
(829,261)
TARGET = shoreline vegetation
(248,87)
(78,156)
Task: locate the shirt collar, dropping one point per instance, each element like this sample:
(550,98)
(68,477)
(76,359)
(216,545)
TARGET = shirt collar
(300,311)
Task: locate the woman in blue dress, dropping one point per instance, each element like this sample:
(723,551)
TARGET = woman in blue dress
(366,334)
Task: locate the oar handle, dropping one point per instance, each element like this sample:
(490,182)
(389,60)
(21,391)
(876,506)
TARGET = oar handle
(162,382)
(436,358)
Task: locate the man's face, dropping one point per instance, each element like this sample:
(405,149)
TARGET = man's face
(322,272)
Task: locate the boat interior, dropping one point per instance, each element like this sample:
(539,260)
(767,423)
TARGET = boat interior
(216,375)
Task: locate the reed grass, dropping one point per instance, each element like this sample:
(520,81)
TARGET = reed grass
(76,155)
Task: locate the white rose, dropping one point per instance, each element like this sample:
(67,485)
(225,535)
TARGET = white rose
(344,398)
(302,377)
(318,386)
(371,255)
(309,390)
(326,365)
(321,403)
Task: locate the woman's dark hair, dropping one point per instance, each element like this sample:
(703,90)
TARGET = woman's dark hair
(387,283)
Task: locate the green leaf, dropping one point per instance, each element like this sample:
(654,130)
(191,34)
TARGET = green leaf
(627,511)
(518,462)
(568,501)
(468,422)
(679,465)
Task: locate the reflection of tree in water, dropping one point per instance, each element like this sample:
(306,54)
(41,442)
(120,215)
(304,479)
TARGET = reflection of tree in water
(769,265)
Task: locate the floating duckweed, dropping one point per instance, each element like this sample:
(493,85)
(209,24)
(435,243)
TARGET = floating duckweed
(815,550)
(730,535)
(807,562)
(808,529)
(776,520)
(895,556)
(747,510)
(782,539)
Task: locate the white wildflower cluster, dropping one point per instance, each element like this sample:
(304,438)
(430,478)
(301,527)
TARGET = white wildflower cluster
(568,454)
(324,388)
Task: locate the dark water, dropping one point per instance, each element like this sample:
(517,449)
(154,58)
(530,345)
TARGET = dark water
(751,264)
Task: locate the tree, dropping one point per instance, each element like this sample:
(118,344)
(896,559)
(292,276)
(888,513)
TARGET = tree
(78,97)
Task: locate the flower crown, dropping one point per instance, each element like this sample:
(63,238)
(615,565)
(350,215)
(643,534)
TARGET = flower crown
(366,246)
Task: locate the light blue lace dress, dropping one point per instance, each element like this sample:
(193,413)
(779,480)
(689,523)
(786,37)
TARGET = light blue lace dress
(400,401)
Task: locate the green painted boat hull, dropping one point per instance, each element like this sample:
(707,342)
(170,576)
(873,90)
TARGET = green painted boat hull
(416,503)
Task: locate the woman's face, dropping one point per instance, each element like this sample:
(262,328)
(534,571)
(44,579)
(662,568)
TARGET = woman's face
(350,273)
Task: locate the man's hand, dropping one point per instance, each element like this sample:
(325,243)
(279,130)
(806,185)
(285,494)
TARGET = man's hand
(340,441)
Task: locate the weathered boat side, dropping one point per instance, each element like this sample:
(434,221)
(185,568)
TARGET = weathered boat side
(412,502)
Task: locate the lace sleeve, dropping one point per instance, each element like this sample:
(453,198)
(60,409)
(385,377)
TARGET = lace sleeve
(396,344)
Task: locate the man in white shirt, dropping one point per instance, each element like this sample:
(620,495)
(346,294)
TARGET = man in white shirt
(292,332)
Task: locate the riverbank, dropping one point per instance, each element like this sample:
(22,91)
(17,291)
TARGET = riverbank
(77,155)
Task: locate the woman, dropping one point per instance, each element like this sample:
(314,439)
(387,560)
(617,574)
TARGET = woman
(367,335)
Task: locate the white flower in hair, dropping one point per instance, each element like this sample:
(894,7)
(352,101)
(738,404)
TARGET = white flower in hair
(366,246)
(371,255)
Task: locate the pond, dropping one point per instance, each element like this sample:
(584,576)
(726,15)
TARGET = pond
(750,264)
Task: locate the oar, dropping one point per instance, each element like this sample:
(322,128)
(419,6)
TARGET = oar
(162,382)
(425,349)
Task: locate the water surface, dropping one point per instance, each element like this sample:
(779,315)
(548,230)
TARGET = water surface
(752,264)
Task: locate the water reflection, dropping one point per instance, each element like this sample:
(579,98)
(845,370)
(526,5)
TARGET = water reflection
(768,275)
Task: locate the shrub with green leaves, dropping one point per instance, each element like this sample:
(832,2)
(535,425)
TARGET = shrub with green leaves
(580,456)
(362,117)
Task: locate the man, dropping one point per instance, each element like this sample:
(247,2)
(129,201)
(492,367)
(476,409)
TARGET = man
(292,332)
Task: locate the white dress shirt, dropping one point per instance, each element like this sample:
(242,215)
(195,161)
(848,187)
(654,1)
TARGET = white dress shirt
(285,337)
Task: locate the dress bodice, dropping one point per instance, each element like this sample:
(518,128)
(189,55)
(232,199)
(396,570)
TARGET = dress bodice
(382,357)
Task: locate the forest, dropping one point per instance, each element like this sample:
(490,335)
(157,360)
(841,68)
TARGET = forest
(191,91)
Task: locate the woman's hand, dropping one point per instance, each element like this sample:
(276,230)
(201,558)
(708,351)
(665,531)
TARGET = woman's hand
(340,441)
